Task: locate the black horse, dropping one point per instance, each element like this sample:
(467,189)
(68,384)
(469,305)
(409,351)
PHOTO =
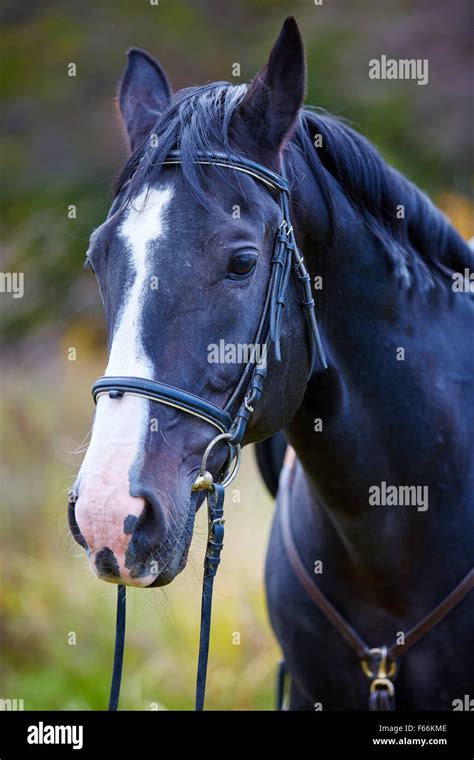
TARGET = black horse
(381,493)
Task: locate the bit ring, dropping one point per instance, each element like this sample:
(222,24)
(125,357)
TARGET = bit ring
(232,464)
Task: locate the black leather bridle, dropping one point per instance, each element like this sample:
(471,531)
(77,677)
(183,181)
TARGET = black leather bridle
(231,429)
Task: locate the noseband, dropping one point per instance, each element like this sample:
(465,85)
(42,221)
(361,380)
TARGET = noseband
(231,429)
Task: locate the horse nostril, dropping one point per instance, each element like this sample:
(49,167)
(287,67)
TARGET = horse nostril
(148,537)
(141,528)
(129,524)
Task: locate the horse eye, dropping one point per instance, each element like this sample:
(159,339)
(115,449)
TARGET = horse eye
(242,265)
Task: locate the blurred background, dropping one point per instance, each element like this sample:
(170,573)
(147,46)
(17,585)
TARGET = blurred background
(63,145)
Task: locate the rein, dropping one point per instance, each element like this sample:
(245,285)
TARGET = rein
(215,543)
(285,260)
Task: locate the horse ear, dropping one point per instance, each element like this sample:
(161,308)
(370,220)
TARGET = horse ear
(271,105)
(144,93)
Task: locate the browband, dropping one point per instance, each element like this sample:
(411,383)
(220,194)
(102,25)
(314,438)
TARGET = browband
(244,165)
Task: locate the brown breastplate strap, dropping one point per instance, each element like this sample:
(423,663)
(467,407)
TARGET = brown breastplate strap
(306,579)
(362,650)
(434,617)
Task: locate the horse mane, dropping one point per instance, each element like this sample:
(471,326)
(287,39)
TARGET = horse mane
(198,119)
(377,191)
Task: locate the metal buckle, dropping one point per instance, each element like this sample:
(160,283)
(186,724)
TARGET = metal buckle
(383,673)
(204,480)
(248,400)
(212,530)
(299,264)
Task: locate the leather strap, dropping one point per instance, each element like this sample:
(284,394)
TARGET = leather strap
(116,387)
(215,542)
(414,635)
(245,165)
(434,617)
(314,592)
(215,539)
(280,686)
(118,649)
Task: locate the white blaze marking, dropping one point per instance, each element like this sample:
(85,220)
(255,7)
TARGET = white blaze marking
(120,426)
(144,222)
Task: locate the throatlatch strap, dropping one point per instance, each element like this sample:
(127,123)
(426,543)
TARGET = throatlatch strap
(119,647)
(215,539)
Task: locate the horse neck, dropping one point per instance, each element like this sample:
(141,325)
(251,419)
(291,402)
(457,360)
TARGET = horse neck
(356,310)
